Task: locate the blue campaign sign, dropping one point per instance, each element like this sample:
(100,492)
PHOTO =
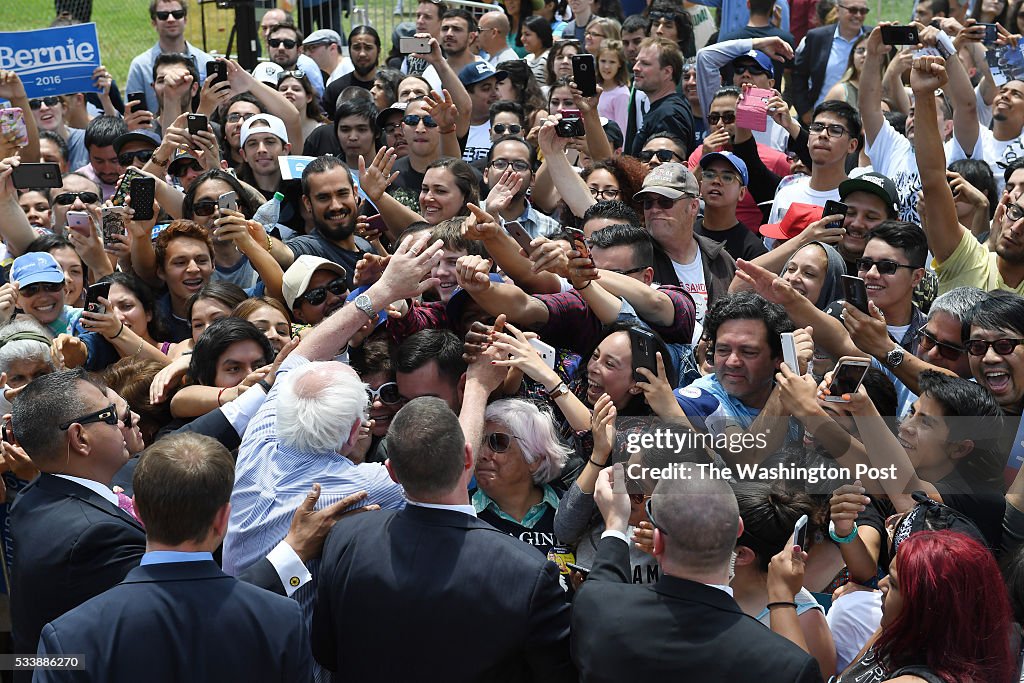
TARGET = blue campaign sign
(52,61)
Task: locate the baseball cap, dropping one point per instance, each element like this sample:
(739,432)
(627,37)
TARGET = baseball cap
(297,277)
(873,183)
(671,180)
(34,267)
(763,60)
(136,136)
(479,71)
(732,159)
(322,36)
(179,154)
(271,123)
(382,116)
(267,72)
(797,217)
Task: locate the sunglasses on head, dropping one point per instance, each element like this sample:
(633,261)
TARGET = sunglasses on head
(181,169)
(51,101)
(885,266)
(507,128)
(33,289)
(948,351)
(387,393)
(68,198)
(278,42)
(315,297)
(297,74)
(714,117)
(413,120)
(1004,347)
(177,14)
(664,155)
(126,158)
(108,415)
(499,442)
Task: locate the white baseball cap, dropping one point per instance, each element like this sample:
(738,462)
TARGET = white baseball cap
(267,72)
(268,124)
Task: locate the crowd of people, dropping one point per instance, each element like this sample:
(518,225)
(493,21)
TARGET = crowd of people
(713,373)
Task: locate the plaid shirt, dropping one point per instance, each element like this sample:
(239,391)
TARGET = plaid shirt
(422,315)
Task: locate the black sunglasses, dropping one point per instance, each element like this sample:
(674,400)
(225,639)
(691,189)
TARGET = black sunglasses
(204,207)
(748,68)
(664,155)
(33,289)
(278,42)
(413,120)
(714,117)
(108,415)
(948,351)
(177,14)
(885,266)
(181,169)
(630,271)
(650,515)
(663,203)
(1004,347)
(315,297)
(50,101)
(499,442)
(126,158)
(387,393)
(68,198)
(507,128)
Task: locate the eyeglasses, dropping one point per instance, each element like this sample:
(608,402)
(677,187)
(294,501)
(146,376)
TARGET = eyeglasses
(662,202)
(127,419)
(664,155)
(592,34)
(725,176)
(126,158)
(236,116)
(519,166)
(68,198)
(885,266)
(714,117)
(1004,347)
(856,10)
(387,393)
(948,351)
(1014,212)
(108,415)
(834,129)
(628,272)
(204,207)
(605,195)
(296,73)
(278,42)
(32,290)
(177,14)
(413,120)
(650,515)
(507,129)
(315,297)
(499,442)
(748,68)
(51,101)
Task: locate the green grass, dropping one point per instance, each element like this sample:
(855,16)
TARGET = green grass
(125,30)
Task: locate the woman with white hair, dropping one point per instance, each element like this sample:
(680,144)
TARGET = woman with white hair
(520,455)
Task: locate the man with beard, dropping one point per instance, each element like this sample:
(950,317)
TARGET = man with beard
(364,51)
(276,17)
(284,42)
(103,167)
(330,198)
(511,152)
(313,288)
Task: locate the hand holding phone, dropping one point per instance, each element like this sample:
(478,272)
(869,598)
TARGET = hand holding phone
(196,123)
(584,74)
(855,293)
(414,45)
(800,533)
(644,347)
(112,222)
(32,176)
(900,35)
(80,222)
(752,109)
(143,192)
(520,235)
(216,72)
(834,208)
(789,356)
(847,378)
(579,242)
(92,297)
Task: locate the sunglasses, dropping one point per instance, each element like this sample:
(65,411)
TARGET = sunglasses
(127,419)
(236,116)
(413,120)
(499,442)
(856,10)
(297,74)
(507,129)
(32,290)
(664,155)
(748,68)
(885,266)
(661,202)
(51,101)
(1004,347)
(107,415)
(278,42)
(628,272)
(387,393)
(650,515)
(177,14)
(714,117)
(126,158)
(204,207)
(948,351)
(315,297)
(68,198)
(181,169)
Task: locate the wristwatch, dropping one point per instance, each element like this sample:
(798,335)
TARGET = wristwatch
(362,302)
(559,391)
(894,357)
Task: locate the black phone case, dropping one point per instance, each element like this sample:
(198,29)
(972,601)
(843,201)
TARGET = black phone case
(584,73)
(193,122)
(93,294)
(855,296)
(834,207)
(32,176)
(143,191)
(900,35)
(218,71)
(644,348)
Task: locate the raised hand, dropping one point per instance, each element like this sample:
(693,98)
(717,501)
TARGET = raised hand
(442,110)
(845,505)
(504,191)
(767,284)
(472,273)
(11,87)
(375,178)
(480,224)
(658,390)
(407,273)
(928,74)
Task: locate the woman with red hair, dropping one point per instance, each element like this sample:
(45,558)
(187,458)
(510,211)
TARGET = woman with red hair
(945,616)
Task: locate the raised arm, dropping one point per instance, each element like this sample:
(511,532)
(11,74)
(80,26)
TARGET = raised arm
(374,179)
(526,272)
(960,90)
(14,226)
(869,97)
(274,102)
(450,82)
(13,90)
(499,297)
(570,185)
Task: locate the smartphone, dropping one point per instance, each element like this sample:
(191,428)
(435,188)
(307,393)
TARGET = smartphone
(584,74)
(578,568)
(847,377)
(900,35)
(80,222)
(130,173)
(519,234)
(991,33)
(112,220)
(855,292)
(579,241)
(834,208)
(644,348)
(92,297)
(216,72)
(139,97)
(414,46)
(196,123)
(752,110)
(789,352)
(545,351)
(143,191)
(26,176)
(376,224)
(227,202)
(800,533)
(12,120)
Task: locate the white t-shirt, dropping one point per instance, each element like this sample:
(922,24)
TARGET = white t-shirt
(774,136)
(897,331)
(853,618)
(993,152)
(478,144)
(798,192)
(691,278)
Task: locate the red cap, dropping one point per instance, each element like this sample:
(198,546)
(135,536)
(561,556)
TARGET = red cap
(798,217)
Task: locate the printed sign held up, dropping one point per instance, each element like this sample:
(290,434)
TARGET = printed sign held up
(52,61)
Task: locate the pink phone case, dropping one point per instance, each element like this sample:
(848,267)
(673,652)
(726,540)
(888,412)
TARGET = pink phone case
(752,110)
(13,120)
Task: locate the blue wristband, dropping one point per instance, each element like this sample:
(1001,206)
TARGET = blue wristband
(841,539)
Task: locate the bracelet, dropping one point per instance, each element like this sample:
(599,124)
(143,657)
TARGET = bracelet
(270,244)
(118,332)
(449,131)
(161,164)
(781,604)
(580,289)
(265,384)
(602,465)
(139,350)
(219,394)
(841,539)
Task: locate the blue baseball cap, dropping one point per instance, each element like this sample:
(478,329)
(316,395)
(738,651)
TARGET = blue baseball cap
(479,71)
(34,267)
(732,159)
(763,60)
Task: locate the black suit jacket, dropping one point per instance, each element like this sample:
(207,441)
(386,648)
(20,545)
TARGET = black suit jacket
(184,621)
(675,630)
(430,594)
(809,67)
(71,544)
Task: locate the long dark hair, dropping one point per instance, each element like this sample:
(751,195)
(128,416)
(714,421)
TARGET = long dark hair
(215,340)
(144,294)
(247,203)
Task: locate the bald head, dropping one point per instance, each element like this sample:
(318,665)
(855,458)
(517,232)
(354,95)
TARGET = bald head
(494,30)
(496,20)
(320,407)
(700,519)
